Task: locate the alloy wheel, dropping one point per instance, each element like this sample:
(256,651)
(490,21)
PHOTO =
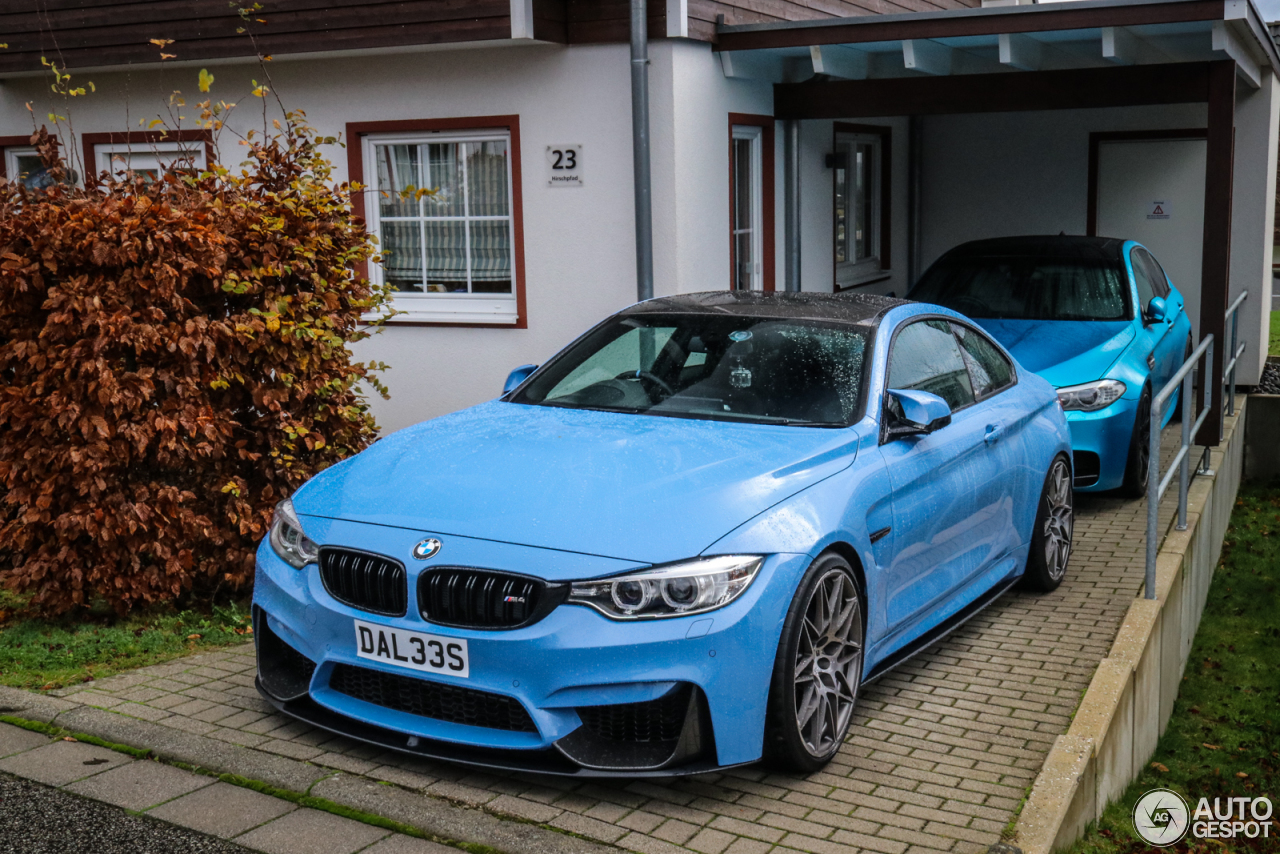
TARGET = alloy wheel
(1058,521)
(828,664)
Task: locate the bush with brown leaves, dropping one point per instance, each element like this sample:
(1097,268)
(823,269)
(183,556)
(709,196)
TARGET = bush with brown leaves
(173,361)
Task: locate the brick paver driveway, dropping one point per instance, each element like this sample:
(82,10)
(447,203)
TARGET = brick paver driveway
(939,756)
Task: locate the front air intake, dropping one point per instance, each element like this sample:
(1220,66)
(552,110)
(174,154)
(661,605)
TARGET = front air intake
(431,699)
(485,599)
(365,580)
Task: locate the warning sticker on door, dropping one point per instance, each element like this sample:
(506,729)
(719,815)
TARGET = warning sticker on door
(1158,210)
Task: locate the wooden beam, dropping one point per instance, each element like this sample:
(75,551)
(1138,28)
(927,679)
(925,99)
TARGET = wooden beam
(835,61)
(1021,51)
(1121,86)
(927,56)
(1215,272)
(1123,46)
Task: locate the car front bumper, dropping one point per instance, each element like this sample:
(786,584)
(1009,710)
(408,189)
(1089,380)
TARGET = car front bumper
(1100,445)
(711,670)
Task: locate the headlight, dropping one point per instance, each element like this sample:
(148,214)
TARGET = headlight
(677,590)
(1090,397)
(287,539)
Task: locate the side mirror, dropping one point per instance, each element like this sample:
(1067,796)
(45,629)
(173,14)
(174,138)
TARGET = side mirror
(1156,310)
(517,376)
(922,413)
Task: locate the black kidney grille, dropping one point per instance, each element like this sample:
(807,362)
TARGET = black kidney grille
(654,720)
(431,699)
(479,599)
(366,581)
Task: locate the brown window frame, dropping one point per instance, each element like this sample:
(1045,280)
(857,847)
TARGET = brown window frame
(140,138)
(7,142)
(767,168)
(885,134)
(356,131)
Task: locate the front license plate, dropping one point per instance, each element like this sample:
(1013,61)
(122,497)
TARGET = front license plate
(414,650)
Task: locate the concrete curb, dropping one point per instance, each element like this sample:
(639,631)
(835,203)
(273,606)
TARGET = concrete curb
(1128,703)
(433,816)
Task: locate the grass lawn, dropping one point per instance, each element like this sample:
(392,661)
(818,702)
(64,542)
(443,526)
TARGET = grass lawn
(1224,737)
(55,653)
(1273,345)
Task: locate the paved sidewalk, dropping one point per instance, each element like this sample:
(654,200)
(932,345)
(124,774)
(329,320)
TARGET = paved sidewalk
(177,797)
(939,756)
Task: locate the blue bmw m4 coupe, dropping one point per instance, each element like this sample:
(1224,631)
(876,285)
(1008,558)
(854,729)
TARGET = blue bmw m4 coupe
(683,543)
(1095,316)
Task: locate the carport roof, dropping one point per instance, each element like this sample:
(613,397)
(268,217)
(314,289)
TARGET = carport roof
(1042,37)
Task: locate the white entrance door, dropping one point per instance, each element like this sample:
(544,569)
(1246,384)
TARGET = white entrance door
(1152,191)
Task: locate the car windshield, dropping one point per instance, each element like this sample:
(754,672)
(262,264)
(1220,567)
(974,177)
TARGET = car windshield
(726,368)
(1021,288)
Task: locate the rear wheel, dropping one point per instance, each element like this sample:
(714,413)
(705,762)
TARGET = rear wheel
(1135,470)
(1051,538)
(818,669)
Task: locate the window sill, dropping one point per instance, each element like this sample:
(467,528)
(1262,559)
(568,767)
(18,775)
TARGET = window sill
(452,318)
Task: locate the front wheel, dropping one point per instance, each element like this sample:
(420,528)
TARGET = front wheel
(818,669)
(1135,469)
(1051,538)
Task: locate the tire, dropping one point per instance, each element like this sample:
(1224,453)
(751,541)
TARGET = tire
(1051,537)
(809,713)
(1135,467)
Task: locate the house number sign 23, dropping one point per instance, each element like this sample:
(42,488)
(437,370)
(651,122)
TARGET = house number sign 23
(564,165)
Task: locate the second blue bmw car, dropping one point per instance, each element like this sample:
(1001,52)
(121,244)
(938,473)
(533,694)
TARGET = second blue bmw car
(683,543)
(1095,316)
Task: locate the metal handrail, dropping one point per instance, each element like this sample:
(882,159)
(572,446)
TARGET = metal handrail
(1156,485)
(1229,372)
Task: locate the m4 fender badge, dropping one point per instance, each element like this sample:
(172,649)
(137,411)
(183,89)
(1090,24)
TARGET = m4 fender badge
(426,548)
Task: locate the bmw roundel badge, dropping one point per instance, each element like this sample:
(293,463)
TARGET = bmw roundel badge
(426,549)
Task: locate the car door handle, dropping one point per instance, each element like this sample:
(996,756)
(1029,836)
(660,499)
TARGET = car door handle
(994,432)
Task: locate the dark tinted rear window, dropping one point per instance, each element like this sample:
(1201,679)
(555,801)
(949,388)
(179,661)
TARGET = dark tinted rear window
(1027,288)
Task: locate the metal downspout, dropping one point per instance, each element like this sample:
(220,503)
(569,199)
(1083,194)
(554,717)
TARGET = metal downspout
(791,206)
(640,148)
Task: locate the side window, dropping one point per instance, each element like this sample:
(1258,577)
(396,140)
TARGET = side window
(1159,281)
(988,367)
(926,357)
(1142,278)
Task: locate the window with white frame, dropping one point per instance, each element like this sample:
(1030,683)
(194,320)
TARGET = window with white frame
(149,159)
(747,213)
(441,206)
(858,220)
(22,164)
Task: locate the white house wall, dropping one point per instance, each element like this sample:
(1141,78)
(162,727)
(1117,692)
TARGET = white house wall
(1253,218)
(998,174)
(689,104)
(579,242)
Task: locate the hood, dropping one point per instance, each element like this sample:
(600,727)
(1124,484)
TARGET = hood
(649,489)
(1064,352)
